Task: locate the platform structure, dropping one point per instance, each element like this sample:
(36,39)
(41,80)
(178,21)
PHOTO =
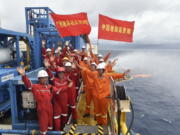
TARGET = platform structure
(26,119)
(10,44)
(40,25)
(26,48)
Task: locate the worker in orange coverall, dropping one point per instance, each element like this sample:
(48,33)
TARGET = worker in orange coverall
(102,91)
(60,100)
(89,89)
(43,96)
(85,64)
(110,65)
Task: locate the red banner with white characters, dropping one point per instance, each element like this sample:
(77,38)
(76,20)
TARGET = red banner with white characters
(113,29)
(71,25)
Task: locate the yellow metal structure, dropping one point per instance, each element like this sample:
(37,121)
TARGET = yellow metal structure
(123,124)
(81,110)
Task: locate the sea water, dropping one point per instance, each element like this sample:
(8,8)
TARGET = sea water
(156,100)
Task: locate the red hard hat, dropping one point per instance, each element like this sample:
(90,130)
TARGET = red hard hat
(60,69)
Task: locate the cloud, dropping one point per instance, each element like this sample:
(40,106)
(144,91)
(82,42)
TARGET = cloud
(155,21)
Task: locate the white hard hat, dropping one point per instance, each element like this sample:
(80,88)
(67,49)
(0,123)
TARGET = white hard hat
(75,50)
(59,48)
(42,73)
(56,51)
(101,60)
(101,66)
(93,63)
(83,47)
(48,50)
(67,43)
(103,63)
(100,56)
(68,64)
(85,58)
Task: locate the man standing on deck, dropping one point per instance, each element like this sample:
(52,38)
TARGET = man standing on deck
(102,84)
(43,96)
(101,90)
(89,88)
(60,98)
(72,90)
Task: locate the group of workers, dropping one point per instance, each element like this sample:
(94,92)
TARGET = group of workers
(57,90)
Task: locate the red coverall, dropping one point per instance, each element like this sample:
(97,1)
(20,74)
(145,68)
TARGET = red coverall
(64,51)
(44,53)
(48,58)
(60,101)
(72,93)
(58,61)
(43,97)
(75,77)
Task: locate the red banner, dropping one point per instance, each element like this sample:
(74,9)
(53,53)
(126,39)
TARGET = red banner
(113,29)
(71,25)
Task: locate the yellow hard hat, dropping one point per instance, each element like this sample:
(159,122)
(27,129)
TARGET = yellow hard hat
(65,58)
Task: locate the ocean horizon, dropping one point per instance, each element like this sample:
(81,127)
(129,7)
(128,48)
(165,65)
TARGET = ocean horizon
(156,100)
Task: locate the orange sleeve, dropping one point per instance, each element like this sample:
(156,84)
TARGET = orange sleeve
(81,63)
(91,53)
(116,75)
(94,58)
(90,73)
(107,57)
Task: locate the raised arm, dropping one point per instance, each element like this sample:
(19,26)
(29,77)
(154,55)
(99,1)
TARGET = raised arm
(43,49)
(118,75)
(25,79)
(94,58)
(47,66)
(106,57)
(114,62)
(64,51)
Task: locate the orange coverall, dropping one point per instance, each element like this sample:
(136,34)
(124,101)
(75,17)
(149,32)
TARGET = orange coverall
(89,88)
(82,64)
(101,92)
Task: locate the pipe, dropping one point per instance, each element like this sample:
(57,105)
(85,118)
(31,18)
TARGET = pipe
(28,54)
(28,132)
(9,131)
